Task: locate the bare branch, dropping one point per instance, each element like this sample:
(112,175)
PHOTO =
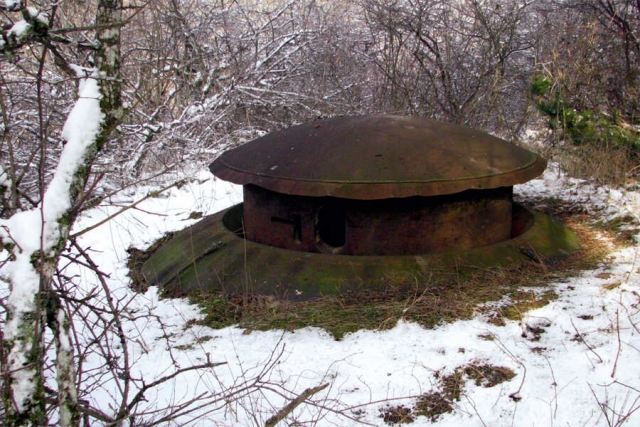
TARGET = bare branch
(284,412)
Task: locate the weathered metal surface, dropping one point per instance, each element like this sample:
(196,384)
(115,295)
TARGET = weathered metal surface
(377,157)
(209,257)
(412,225)
(398,195)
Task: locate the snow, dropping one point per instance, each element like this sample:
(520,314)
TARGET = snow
(579,371)
(19,29)
(11,4)
(22,229)
(35,13)
(80,130)
(4,178)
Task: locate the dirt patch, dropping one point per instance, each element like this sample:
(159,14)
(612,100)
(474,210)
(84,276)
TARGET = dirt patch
(450,388)
(399,414)
(137,257)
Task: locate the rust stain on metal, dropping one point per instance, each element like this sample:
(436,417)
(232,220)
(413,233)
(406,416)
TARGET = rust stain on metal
(407,226)
(377,157)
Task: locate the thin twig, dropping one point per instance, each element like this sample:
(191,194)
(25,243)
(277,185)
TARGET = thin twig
(615,363)
(126,208)
(582,340)
(555,389)
(475,409)
(515,396)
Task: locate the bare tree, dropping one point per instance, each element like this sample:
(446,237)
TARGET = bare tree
(215,73)
(586,85)
(605,38)
(33,302)
(460,61)
(201,81)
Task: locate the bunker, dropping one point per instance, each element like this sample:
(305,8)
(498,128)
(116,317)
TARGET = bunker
(378,185)
(342,203)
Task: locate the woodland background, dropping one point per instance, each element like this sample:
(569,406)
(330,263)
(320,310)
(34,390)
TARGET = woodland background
(181,80)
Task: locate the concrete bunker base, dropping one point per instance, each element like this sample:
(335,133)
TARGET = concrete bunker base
(212,256)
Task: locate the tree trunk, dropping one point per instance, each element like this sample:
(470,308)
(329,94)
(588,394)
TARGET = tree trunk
(33,302)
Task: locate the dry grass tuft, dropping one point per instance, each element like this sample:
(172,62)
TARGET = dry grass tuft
(487,375)
(397,415)
(608,165)
(432,405)
(450,388)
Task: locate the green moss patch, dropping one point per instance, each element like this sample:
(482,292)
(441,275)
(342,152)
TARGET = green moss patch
(429,301)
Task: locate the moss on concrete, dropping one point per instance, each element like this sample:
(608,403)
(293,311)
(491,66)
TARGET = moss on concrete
(207,257)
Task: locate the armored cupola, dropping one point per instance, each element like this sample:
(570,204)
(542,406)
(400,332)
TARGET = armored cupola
(345,204)
(378,185)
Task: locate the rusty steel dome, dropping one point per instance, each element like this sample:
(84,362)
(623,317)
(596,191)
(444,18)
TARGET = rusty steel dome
(342,204)
(377,157)
(378,185)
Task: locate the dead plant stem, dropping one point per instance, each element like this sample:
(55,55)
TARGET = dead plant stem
(582,340)
(619,349)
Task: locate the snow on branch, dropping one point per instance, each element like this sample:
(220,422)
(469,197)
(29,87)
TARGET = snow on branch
(4,179)
(39,230)
(11,5)
(32,26)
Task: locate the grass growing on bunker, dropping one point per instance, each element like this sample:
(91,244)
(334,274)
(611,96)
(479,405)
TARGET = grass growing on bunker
(499,293)
(429,301)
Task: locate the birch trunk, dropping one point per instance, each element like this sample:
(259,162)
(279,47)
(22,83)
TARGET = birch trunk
(36,249)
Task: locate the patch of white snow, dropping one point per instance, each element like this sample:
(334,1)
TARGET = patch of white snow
(19,29)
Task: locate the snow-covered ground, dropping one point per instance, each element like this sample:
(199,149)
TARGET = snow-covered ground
(581,370)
